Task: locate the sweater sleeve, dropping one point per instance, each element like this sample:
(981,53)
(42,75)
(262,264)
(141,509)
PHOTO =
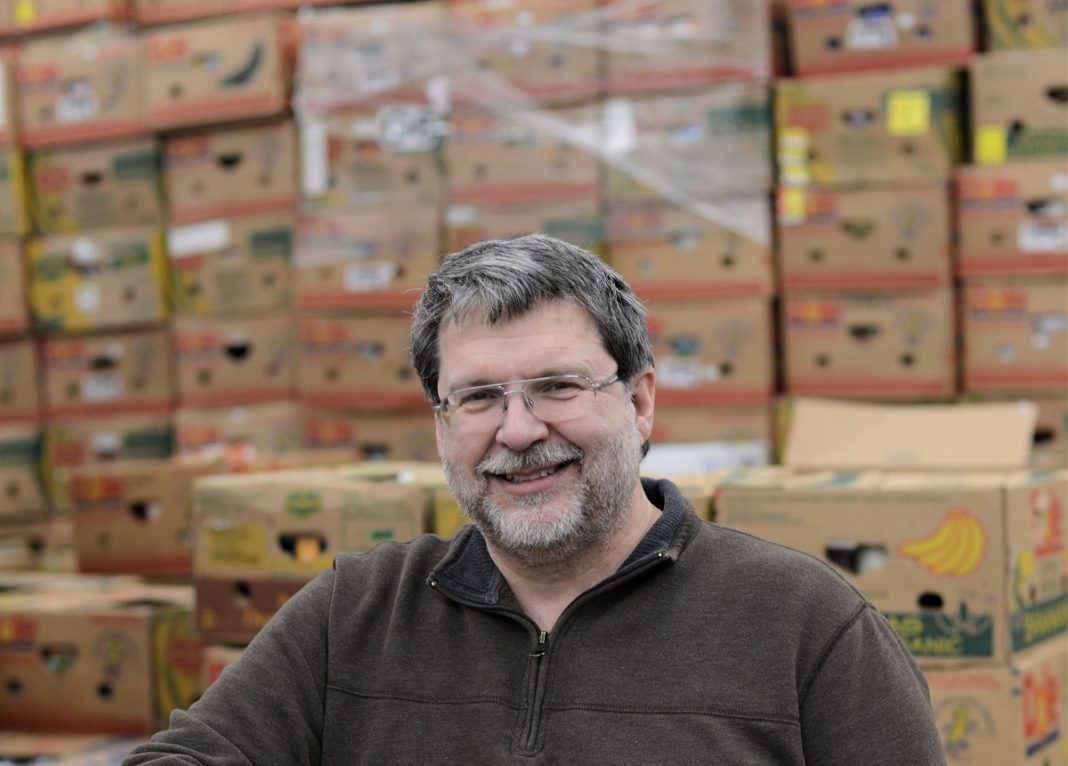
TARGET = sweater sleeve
(867,701)
(265,709)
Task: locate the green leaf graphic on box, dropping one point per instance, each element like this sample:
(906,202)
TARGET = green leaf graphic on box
(303,504)
(244,74)
(964,623)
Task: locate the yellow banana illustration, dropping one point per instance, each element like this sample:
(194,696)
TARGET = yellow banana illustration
(954,549)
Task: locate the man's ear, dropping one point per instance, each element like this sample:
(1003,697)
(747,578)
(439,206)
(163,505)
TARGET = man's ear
(643,396)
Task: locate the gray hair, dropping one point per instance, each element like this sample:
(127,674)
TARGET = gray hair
(503,279)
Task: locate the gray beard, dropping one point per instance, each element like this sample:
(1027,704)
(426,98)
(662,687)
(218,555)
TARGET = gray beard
(595,511)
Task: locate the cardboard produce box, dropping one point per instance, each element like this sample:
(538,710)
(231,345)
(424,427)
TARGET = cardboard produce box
(14,212)
(101,279)
(81,87)
(226,361)
(70,443)
(231,610)
(33,16)
(870,128)
(40,545)
(700,423)
(21,494)
(357,363)
(578,222)
(384,155)
(895,345)
(714,352)
(701,146)
(227,266)
(365,258)
(1015,335)
(402,435)
(135,517)
(20,382)
(1000,715)
(678,44)
(548,155)
(889,238)
(269,428)
(216,70)
(1015,24)
(1050,442)
(115,660)
(229,172)
(968,567)
(112,373)
(108,185)
(1019,103)
(523,50)
(1013,218)
(854,36)
(14,318)
(666,251)
(394,53)
(8,115)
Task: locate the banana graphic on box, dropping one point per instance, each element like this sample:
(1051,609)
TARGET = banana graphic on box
(955,548)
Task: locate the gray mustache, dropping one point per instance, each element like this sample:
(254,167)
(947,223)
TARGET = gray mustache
(538,456)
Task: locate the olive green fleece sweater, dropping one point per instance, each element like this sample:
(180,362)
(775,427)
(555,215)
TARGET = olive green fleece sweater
(707,646)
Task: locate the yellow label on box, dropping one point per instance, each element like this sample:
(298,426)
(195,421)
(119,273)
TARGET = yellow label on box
(793,205)
(242,545)
(991,145)
(908,112)
(25,12)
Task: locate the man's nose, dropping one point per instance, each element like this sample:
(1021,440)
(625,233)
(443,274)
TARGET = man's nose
(520,427)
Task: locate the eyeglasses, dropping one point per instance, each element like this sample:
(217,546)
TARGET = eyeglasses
(553,399)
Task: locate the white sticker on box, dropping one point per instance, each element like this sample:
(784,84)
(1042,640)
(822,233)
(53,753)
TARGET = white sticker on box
(87,298)
(871,34)
(78,104)
(197,238)
(1042,237)
(84,253)
(366,277)
(314,159)
(621,131)
(686,373)
(102,387)
(461,215)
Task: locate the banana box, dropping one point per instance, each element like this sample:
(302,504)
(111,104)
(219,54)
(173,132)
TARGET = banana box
(854,35)
(515,157)
(111,373)
(14,211)
(667,45)
(134,517)
(216,70)
(1018,101)
(114,659)
(376,258)
(868,128)
(968,567)
(1008,714)
(228,172)
(712,352)
(80,87)
(97,187)
(357,363)
(8,115)
(22,497)
(363,158)
(14,318)
(896,345)
(1016,24)
(1013,218)
(270,428)
(578,222)
(1015,335)
(392,53)
(70,443)
(239,360)
(386,436)
(667,251)
(33,16)
(20,385)
(523,50)
(98,280)
(232,265)
(893,238)
(692,146)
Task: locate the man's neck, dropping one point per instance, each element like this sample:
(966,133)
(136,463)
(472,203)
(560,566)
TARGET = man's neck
(544,591)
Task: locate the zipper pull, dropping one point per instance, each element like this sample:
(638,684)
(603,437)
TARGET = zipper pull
(539,651)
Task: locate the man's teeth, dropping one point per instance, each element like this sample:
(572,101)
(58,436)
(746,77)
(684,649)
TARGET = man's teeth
(520,478)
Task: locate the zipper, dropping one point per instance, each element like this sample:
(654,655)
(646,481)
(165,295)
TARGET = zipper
(535,693)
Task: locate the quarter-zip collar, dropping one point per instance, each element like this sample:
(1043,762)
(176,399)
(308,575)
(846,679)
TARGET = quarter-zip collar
(468,572)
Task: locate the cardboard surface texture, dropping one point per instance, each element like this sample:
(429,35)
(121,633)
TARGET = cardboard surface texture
(1016,24)
(14,317)
(21,495)
(20,386)
(14,211)
(269,428)
(373,435)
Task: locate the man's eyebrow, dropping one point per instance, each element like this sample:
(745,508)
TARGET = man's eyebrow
(481,381)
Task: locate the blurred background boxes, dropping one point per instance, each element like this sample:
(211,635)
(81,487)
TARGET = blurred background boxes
(375,435)
(270,428)
(14,212)
(14,317)
(1025,24)
(20,394)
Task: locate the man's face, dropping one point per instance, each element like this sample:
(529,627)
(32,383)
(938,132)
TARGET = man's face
(539,491)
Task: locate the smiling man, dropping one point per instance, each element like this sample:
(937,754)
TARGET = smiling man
(588,615)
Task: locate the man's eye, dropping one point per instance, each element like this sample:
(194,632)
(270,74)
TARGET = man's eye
(559,388)
(478,397)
